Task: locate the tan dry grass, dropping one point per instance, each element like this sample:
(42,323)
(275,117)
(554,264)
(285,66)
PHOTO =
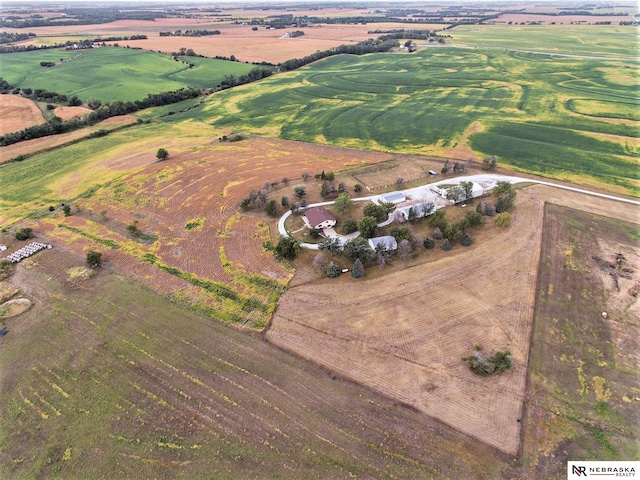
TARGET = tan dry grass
(404,333)
(17,113)
(67,113)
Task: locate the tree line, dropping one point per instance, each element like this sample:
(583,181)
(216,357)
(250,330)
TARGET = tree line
(100,112)
(79,16)
(190,33)
(381,44)
(87,43)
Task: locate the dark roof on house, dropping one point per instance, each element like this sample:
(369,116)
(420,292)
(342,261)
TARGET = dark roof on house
(317,215)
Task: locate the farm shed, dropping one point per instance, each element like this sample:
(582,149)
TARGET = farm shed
(318,218)
(387,242)
(403,211)
(392,197)
(477,190)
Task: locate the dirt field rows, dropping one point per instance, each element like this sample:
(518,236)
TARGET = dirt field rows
(405,333)
(204,182)
(115,385)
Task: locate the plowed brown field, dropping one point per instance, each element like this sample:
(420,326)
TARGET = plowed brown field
(404,334)
(17,113)
(206,183)
(240,40)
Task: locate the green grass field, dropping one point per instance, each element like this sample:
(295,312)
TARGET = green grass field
(563,117)
(110,74)
(567,39)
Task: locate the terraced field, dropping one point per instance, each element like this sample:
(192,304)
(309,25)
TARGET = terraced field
(561,117)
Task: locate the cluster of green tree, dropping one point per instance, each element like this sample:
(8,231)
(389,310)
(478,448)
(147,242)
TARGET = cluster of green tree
(414,34)
(381,44)
(117,39)
(190,33)
(482,364)
(260,198)
(80,16)
(6,37)
(576,12)
(47,96)
(296,33)
(82,44)
(47,64)
(101,112)
(24,233)
(254,75)
(5,87)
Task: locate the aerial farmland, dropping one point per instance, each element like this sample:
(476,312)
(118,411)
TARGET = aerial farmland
(470,310)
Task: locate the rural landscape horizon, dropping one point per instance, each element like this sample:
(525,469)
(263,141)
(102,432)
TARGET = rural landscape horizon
(318,239)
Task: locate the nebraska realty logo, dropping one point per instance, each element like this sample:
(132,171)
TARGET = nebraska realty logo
(602,469)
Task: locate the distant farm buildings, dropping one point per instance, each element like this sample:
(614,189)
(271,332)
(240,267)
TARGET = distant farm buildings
(318,218)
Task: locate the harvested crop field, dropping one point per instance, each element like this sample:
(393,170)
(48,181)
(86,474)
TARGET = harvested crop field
(187,210)
(17,113)
(585,367)
(121,382)
(404,334)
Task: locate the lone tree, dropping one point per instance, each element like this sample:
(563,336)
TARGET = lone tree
(428,243)
(162,154)
(503,219)
(271,208)
(467,187)
(446,245)
(481,364)
(489,163)
(300,192)
(24,233)
(287,247)
(94,259)
(333,270)
(466,240)
(367,227)
(358,248)
(343,203)
(404,249)
(349,226)
(438,220)
(505,196)
(358,269)
(67,210)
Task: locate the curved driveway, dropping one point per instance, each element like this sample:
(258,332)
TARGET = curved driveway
(487,180)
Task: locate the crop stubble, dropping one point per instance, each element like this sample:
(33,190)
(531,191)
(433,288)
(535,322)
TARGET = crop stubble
(404,334)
